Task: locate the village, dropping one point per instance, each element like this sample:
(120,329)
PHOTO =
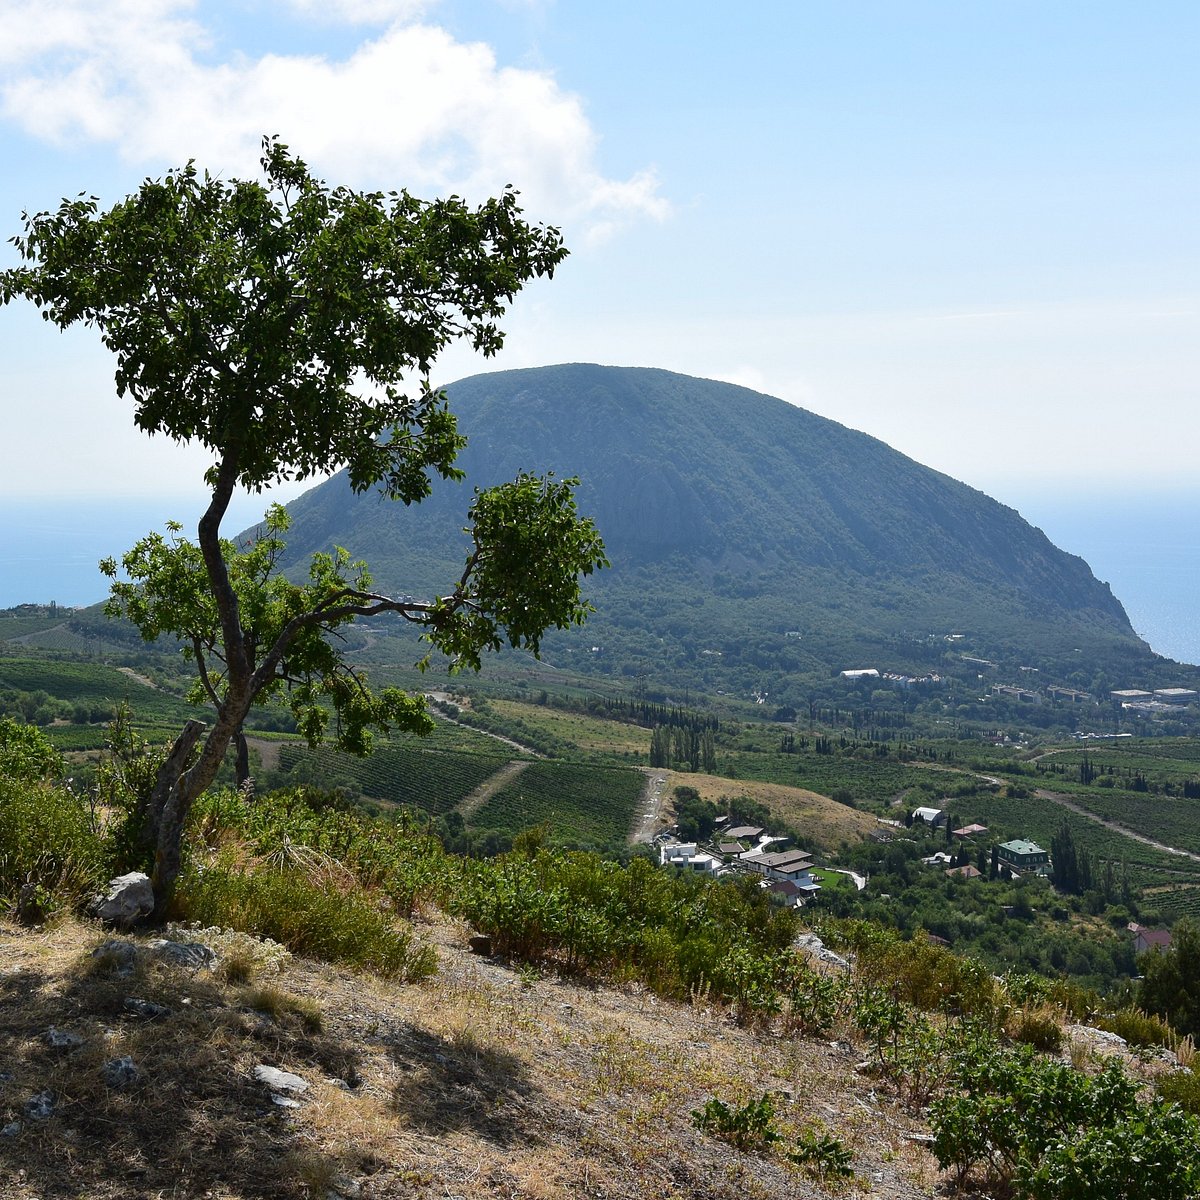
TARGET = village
(794,879)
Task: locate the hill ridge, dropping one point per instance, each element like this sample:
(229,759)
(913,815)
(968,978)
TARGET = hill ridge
(714,497)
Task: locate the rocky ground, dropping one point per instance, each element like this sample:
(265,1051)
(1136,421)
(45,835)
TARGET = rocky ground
(129,1074)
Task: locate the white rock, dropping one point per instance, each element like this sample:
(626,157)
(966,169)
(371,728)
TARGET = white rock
(62,1039)
(128,899)
(279,1081)
(194,956)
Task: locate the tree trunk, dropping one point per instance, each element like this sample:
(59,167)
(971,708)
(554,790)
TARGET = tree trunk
(168,810)
(242,768)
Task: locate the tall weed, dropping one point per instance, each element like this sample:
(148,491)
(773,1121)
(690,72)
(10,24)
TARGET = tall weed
(307,918)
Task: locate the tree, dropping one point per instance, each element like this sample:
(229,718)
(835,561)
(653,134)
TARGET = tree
(1170,984)
(1064,859)
(290,329)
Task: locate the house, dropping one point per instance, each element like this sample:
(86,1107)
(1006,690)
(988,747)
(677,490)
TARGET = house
(1175,695)
(861,673)
(969,831)
(744,831)
(731,848)
(1148,939)
(688,856)
(792,865)
(931,816)
(794,895)
(1027,858)
(965,872)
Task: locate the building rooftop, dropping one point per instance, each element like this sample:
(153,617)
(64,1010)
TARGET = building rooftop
(1019,846)
(966,872)
(784,859)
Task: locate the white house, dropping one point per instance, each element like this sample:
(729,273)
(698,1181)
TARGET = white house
(795,866)
(931,816)
(689,856)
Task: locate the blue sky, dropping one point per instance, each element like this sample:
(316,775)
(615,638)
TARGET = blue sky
(966,228)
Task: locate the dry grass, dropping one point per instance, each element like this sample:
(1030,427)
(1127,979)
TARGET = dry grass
(595,735)
(828,823)
(476,1083)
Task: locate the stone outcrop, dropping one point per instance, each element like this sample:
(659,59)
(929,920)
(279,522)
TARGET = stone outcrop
(128,900)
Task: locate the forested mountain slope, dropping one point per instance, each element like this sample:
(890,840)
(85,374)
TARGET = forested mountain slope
(732,518)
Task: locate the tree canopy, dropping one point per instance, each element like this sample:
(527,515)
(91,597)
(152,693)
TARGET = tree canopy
(290,328)
(1170,984)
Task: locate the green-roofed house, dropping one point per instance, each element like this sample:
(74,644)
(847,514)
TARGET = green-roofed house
(1026,858)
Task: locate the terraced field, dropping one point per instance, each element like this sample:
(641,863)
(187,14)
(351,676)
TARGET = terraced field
(432,780)
(579,803)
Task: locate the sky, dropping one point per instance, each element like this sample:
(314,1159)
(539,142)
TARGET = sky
(968,229)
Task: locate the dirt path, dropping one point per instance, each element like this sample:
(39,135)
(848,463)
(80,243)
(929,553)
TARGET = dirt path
(139,678)
(470,804)
(440,698)
(651,805)
(1071,806)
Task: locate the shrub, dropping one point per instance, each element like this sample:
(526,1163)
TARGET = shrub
(925,975)
(1039,1026)
(748,1127)
(279,1005)
(1048,1132)
(812,1000)
(751,1127)
(1138,1028)
(1154,1153)
(50,854)
(322,921)
(25,754)
(824,1156)
(1182,1088)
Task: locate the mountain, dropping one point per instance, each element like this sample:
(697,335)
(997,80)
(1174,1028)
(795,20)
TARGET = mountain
(746,535)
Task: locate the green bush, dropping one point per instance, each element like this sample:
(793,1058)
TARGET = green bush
(1044,1131)
(308,918)
(1182,1088)
(50,854)
(927,976)
(1039,1026)
(821,1155)
(1138,1028)
(750,1126)
(1154,1153)
(25,754)
(812,1000)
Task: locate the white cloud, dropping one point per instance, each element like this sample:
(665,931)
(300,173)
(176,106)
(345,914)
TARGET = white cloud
(409,107)
(367,12)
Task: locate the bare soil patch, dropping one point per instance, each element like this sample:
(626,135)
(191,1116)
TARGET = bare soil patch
(475,800)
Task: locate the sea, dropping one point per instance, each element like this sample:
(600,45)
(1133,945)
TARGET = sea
(1145,546)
